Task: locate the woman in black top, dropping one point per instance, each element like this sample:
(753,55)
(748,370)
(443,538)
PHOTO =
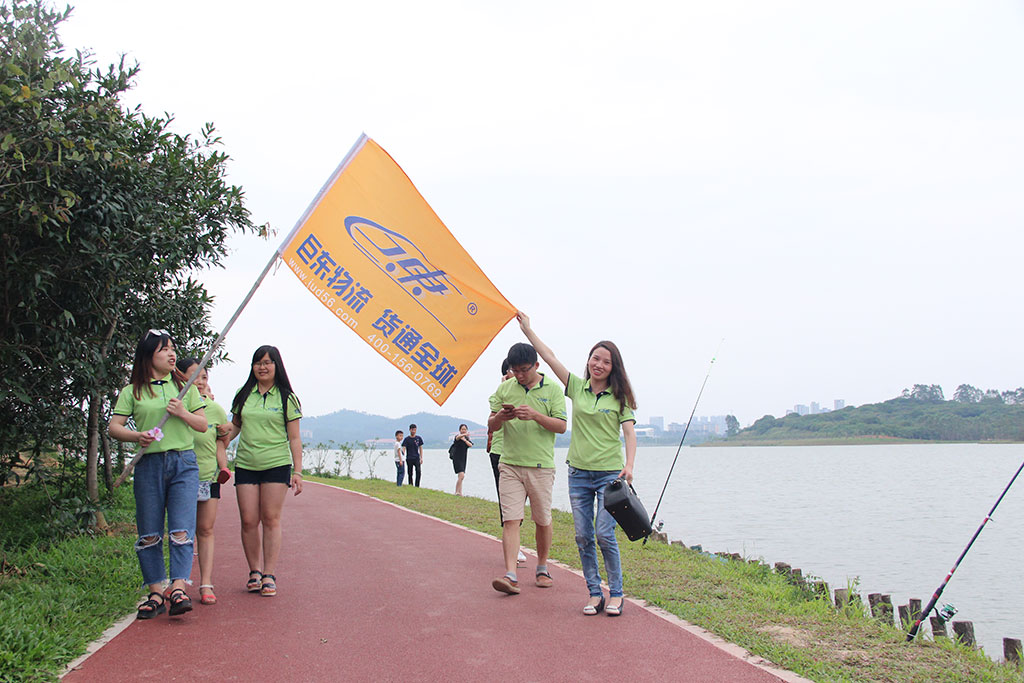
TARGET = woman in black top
(459,449)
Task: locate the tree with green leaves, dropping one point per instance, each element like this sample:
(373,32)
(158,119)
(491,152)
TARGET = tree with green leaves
(107,217)
(965,393)
(732,425)
(924,392)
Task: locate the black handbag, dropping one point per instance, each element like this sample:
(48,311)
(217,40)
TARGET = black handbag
(621,501)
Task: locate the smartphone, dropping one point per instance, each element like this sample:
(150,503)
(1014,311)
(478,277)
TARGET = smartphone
(508,406)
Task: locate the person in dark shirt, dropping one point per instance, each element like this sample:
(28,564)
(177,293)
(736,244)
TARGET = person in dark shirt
(413,454)
(459,450)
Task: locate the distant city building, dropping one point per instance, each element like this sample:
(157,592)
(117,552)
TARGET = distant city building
(801,409)
(658,423)
(838,404)
(815,408)
(790,412)
(675,427)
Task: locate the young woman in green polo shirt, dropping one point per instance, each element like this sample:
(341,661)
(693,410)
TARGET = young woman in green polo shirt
(166,479)
(212,459)
(602,404)
(268,461)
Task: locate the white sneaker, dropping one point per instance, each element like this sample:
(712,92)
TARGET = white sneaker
(521,559)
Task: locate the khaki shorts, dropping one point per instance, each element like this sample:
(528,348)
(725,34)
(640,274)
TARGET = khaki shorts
(517,483)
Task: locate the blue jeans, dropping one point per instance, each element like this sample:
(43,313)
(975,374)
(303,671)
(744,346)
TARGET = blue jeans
(400,466)
(585,488)
(168,482)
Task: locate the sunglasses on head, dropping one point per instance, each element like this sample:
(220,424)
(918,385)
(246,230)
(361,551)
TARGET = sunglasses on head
(159,333)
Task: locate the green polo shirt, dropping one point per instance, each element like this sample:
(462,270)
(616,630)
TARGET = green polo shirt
(147,411)
(525,442)
(206,443)
(263,442)
(497,441)
(596,422)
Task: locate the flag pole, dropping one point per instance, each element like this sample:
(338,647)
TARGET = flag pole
(202,363)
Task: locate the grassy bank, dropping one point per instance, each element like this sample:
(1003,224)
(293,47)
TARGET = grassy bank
(744,603)
(59,592)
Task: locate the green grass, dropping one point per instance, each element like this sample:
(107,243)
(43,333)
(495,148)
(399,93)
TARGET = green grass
(58,592)
(745,603)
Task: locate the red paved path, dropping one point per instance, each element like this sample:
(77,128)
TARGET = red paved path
(370,591)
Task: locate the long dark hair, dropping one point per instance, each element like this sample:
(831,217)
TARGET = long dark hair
(142,366)
(280,381)
(618,380)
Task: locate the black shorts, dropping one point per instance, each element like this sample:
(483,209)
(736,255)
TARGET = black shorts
(275,475)
(214,490)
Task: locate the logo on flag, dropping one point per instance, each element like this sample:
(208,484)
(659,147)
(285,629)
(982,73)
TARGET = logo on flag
(372,251)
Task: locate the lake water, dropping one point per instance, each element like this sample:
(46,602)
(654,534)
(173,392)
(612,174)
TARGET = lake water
(892,518)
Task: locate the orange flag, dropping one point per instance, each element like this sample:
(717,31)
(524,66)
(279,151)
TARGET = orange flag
(376,255)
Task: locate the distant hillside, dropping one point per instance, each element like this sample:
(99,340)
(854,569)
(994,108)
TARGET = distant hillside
(347,426)
(905,417)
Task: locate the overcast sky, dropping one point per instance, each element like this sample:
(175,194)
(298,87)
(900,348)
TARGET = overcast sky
(833,189)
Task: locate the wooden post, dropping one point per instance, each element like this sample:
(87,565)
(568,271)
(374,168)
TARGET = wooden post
(938,628)
(797,577)
(915,609)
(964,631)
(820,588)
(905,621)
(782,568)
(873,600)
(1012,650)
(881,607)
(885,609)
(842,597)
(659,536)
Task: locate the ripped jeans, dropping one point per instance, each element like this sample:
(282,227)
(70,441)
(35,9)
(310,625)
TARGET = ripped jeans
(586,488)
(167,481)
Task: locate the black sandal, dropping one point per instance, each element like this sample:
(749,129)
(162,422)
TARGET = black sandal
(151,608)
(180,602)
(254,585)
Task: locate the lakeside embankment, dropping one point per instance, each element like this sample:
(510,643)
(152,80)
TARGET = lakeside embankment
(745,603)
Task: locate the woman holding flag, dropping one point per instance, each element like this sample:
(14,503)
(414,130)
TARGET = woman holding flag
(602,404)
(265,413)
(166,479)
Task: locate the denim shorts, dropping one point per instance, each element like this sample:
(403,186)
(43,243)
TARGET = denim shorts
(275,475)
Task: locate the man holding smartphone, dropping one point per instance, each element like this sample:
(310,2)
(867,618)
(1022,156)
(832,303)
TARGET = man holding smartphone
(529,411)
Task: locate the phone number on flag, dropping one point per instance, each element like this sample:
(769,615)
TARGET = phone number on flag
(404,364)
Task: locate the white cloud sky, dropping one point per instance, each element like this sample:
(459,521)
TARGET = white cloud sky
(832,189)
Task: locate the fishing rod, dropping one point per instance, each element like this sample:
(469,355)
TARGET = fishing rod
(685,430)
(935,598)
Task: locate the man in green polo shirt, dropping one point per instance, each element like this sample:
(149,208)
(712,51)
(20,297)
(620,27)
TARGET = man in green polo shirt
(528,410)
